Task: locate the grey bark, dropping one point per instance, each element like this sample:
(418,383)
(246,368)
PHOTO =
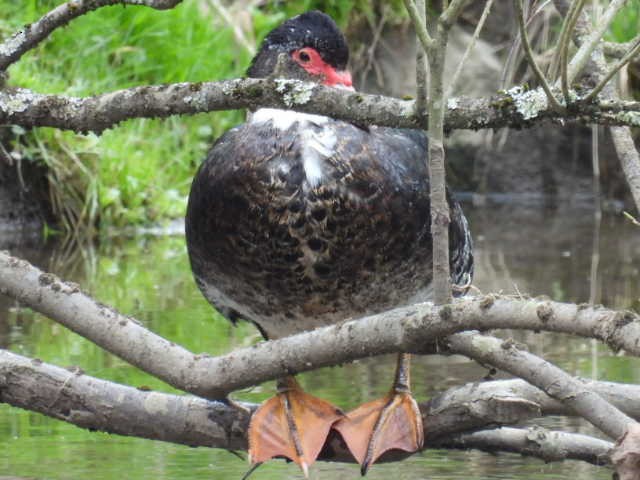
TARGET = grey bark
(536,442)
(514,108)
(556,383)
(414,329)
(74,397)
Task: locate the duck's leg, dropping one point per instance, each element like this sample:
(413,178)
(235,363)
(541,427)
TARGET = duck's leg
(293,424)
(390,422)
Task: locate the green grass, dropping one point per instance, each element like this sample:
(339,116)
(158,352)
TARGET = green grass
(140,171)
(626,24)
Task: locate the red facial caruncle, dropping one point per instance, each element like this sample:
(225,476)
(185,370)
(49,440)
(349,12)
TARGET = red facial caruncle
(309,59)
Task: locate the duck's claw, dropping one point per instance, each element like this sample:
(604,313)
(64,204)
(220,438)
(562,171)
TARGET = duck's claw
(388,423)
(293,424)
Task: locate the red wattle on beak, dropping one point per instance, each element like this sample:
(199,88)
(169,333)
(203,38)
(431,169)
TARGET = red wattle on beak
(338,78)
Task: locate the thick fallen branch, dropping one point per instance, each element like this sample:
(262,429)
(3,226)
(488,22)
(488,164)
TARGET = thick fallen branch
(91,403)
(32,34)
(537,442)
(517,107)
(414,329)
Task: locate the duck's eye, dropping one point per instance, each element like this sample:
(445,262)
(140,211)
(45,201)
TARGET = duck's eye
(304,57)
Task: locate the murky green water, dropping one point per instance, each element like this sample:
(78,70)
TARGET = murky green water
(518,250)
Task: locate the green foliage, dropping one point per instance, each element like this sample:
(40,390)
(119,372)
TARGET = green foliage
(138,172)
(626,24)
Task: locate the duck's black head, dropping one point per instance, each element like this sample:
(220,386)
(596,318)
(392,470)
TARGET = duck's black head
(315,50)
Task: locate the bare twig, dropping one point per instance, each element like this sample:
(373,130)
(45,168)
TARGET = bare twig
(31,35)
(537,442)
(532,61)
(565,41)
(631,218)
(589,44)
(422,68)
(452,12)
(469,49)
(419,24)
(634,49)
(597,67)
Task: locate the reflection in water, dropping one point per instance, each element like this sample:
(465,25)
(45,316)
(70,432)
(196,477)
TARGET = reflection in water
(518,251)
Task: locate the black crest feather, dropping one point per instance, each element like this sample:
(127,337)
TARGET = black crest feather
(311,29)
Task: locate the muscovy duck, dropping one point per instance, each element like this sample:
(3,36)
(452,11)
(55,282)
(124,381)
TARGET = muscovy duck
(296,221)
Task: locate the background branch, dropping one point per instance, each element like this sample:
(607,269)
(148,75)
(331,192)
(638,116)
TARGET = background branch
(597,67)
(12,49)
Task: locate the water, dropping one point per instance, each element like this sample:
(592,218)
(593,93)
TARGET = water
(557,252)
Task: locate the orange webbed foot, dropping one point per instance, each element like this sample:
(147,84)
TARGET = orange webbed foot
(293,424)
(388,423)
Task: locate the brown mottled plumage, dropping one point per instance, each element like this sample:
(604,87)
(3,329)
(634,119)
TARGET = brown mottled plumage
(297,221)
(268,246)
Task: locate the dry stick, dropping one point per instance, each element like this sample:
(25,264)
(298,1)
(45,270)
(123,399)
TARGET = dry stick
(31,35)
(590,43)
(470,47)
(414,329)
(563,40)
(435,48)
(419,24)
(88,402)
(422,68)
(532,61)
(615,49)
(634,49)
(556,383)
(564,48)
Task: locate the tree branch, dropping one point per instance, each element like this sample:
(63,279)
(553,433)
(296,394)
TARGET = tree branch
(597,67)
(414,329)
(87,402)
(556,383)
(419,24)
(12,49)
(536,442)
(591,42)
(515,107)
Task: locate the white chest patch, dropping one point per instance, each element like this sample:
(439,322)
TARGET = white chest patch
(317,144)
(283,119)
